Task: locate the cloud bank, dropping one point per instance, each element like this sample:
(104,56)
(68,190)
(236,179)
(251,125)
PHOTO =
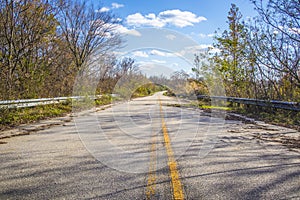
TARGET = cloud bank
(175,17)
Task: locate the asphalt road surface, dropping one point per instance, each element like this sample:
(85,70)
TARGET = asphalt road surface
(147,149)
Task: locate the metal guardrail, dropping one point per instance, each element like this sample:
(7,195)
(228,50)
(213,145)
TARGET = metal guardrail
(295,106)
(22,103)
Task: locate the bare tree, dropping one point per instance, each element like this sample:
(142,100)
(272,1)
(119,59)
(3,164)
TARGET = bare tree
(275,38)
(27,30)
(86,30)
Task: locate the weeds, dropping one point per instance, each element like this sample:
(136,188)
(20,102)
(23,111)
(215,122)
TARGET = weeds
(12,117)
(275,116)
(286,118)
(104,100)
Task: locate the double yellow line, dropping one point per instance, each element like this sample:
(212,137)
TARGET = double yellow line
(176,184)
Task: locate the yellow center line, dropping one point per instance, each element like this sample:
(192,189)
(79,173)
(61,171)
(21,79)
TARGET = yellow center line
(176,184)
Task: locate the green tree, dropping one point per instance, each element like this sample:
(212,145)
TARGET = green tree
(231,60)
(27,31)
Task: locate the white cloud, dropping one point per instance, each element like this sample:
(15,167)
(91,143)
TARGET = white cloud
(116,5)
(122,29)
(103,9)
(200,46)
(159,61)
(138,19)
(143,62)
(202,35)
(119,19)
(180,18)
(194,49)
(170,37)
(176,18)
(113,6)
(140,54)
(154,69)
(133,32)
(160,53)
(151,16)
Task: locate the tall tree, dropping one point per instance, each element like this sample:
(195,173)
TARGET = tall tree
(275,39)
(86,30)
(231,60)
(27,29)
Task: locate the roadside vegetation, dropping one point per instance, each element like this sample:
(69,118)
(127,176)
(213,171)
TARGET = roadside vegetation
(46,45)
(147,89)
(279,117)
(287,118)
(255,58)
(12,117)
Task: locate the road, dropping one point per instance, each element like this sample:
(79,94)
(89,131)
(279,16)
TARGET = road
(147,149)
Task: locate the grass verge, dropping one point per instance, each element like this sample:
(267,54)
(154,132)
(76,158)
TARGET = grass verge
(286,118)
(12,117)
(9,118)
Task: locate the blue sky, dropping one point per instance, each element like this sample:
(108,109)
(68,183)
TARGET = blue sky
(194,19)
